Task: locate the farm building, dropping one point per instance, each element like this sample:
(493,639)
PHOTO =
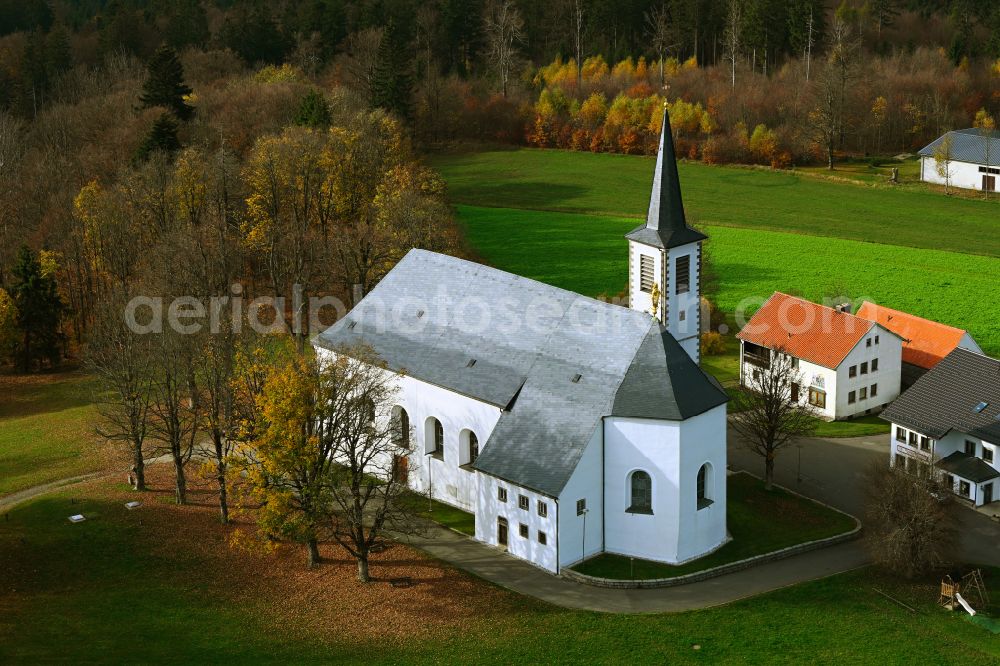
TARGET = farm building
(973,162)
(847,366)
(569,426)
(925,342)
(948,424)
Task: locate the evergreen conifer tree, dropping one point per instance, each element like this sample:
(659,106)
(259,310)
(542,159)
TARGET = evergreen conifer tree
(391,87)
(39,313)
(165,86)
(313,111)
(162,136)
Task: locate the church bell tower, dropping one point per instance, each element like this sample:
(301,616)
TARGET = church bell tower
(664,255)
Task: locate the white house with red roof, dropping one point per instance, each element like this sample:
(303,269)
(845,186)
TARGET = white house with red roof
(848,366)
(925,342)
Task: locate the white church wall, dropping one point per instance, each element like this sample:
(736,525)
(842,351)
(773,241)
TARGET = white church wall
(702,441)
(582,535)
(539,527)
(651,446)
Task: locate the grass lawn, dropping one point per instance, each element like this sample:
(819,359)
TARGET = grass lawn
(618,185)
(586,254)
(46,429)
(859,427)
(443,514)
(759,522)
(159,585)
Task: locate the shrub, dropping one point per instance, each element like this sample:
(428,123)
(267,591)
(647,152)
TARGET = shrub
(712,344)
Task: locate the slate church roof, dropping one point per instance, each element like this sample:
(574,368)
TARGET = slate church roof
(666,225)
(961,393)
(554,361)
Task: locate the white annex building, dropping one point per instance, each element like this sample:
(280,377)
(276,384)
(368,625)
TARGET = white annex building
(568,426)
(973,161)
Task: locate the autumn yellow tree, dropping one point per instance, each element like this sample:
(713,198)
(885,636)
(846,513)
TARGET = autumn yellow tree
(319,454)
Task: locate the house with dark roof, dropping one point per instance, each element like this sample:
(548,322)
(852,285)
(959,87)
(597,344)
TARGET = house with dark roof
(972,160)
(925,342)
(846,366)
(948,425)
(569,426)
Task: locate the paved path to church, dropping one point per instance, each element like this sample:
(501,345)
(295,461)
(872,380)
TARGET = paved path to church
(832,471)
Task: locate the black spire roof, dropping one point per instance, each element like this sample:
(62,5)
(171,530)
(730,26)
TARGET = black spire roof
(666,225)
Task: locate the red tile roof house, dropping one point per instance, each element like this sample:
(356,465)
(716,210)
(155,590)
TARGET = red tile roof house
(925,342)
(848,366)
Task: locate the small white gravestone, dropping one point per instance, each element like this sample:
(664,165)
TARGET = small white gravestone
(78,518)
(132,505)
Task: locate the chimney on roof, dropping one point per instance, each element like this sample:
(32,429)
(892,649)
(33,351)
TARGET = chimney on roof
(843,307)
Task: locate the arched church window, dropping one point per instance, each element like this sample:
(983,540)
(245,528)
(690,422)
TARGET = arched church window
(704,486)
(473,447)
(401,428)
(468,447)
(434,438)
(641,491)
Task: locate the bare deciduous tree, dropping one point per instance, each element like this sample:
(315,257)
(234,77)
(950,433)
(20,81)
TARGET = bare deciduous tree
(943,156)
(362,57)
(504,28)
(769,414)
(907,523)
(120,358)
(733,36)
(659,32)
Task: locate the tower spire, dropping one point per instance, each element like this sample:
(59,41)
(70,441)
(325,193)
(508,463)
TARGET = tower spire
(666,225)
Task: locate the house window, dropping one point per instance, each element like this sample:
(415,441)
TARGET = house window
(795,363)
(913,439)
(874,391)
(925,443)
(964,489)
(970,447)
(522,502)
(402,430)
(522,530)
(581,506)
(864,368)
(987,454)
(876,340)
(704,498)
(900,435)
(817,398)
(863,393)
(542,539)
(756,375)
(682,269)
(868,342)
(874,365)
(682,315)
(852,397)
(646,273)
(543,509)
(756,355)
(641,493)
(502,494)
(852,371)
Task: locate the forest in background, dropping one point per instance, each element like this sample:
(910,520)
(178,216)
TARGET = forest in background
(93,167)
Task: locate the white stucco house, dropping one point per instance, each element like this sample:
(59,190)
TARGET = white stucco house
(974,162)
(848,366)
(948,425)
(569,426)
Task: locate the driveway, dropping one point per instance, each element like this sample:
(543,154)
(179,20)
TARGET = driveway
(833,470)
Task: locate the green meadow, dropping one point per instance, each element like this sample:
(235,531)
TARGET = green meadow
(559,217)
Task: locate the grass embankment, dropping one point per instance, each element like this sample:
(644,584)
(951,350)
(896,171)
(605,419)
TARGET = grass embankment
(441,513)
(618,185)
(46,429)
(160,585)
(586,254)
(759,521)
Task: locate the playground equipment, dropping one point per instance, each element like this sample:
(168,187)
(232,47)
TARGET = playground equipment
(971,585)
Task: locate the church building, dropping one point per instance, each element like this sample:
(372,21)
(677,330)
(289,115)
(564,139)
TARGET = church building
(568,426)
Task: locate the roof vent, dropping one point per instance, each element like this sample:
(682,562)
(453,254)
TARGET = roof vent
(981,406)
(350,327)
(577,378)
(471,363)
(420,313)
